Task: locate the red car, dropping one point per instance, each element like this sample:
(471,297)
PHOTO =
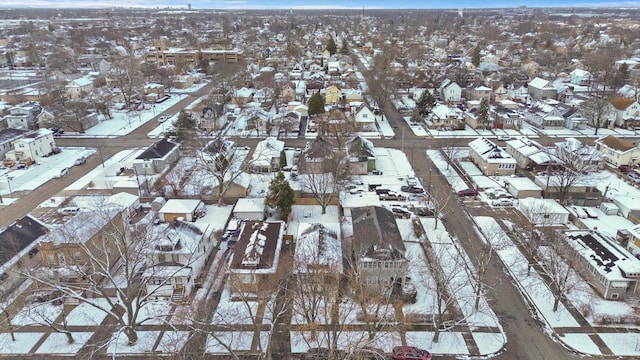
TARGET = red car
(468,192)
(409,353)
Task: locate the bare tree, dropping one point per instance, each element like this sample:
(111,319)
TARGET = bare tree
(109,267)
(596,111)
(126,76)
(558,261)
(323,186)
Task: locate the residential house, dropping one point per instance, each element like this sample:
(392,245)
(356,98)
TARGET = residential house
(500,93)
(617,151)
(59,117)
(266,157)
(287,93)
(545,115)
(365,119)
(564,94)
(318,254)
(311,88)
(32,147)
(633,244)
(604,264)
(445,117)
(333,96)
(85,240)
(377,250)
(529,154)
(541,89)
(256,256)
(263,95)
(157,158)
(183,81)
(490,158)
(505,118)
(479,93)
(153,92)
(23,116)
(583,157)
(361,156)
(175,257)
(580,77)
(79,87)
(450,91)
(181,209)
(627,112)
(573,119)
(18,251)
(351,96)
(7,137)
(317,157)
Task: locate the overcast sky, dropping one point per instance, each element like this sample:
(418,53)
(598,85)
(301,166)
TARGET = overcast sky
(311,4)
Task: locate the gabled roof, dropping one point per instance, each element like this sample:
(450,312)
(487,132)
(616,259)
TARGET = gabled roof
(375,230)
(158,150)
(621,102)
(258,245)
(540,83)
(18,236)
(11,134)
(615,143)
(318,148)
(359,146)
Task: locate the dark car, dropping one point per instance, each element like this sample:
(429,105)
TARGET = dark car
(625,169)
(412,189)
(409,353)
(468,192)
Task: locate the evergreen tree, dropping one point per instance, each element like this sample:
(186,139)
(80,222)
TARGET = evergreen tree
(475,56)
(331,46)
(316,104)
(483,113)
(185,127)
(344,50)
(281,195)
(425,103)
(205,67)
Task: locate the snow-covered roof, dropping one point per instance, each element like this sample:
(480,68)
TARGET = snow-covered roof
(122,199)
(249,205)
(540,83)
(611,260)
(266,150)
(523,184)
(542,206)
(258,247)
(490,152)
(318,248)
(180,206)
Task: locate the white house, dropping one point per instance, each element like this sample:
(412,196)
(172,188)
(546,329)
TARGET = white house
(584,157)
(175,259)
(450,91)
(627,111)
(606,265)
(79,87)
(491,158)
(33,145)
(540,89)
(365,119)
(266,156)
(580,77)
(618,151)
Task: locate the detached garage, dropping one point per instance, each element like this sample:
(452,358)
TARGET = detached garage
(543,212)
(187,209)
(249,209)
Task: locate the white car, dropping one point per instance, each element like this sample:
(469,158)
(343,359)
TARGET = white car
(504,138)
(412,180)
(162,119)
(502,202)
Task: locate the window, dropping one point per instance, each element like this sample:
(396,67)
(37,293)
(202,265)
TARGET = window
(162,258)
(614,296)
(77,257)
(61,259)
(51,261)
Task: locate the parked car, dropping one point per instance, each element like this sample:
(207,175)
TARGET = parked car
(412,180)
(356,190)
(162,119)
(409,353)
(468,192)
(391,196)
(400,212)
(64,172)
(367,353)
(376,172)
(502,202)
(504,138)
(633,176)
(81,160)
(625,169)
